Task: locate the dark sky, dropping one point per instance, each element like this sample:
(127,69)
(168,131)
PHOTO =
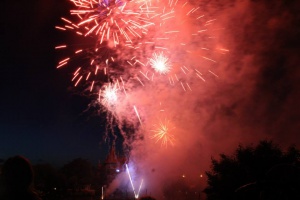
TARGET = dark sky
(40,117)
(257,95)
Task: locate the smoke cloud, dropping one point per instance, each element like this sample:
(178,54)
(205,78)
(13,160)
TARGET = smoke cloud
(252,94)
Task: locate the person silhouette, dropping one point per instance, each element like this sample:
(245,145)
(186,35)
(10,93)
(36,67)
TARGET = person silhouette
(17,180)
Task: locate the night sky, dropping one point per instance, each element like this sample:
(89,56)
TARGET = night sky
(41,117)
(256,96)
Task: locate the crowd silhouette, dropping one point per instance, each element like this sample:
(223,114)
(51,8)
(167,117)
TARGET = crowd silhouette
(17,180)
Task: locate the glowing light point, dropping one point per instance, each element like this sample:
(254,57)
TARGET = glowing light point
(159,62)
(108,97)
(110,94)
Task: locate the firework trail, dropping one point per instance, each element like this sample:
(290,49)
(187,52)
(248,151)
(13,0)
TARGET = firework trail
(136,193)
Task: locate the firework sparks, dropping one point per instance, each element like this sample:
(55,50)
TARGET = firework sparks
(108,97)
(179,42)
(130,24)
(159,62)
(162,132)
(111,20)
(94,65)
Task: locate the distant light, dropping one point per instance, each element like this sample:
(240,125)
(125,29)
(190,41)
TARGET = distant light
(183,176)
(201,176)
(54,188)
(117,170)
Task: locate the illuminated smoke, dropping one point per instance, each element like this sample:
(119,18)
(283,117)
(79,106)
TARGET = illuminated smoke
(216,91)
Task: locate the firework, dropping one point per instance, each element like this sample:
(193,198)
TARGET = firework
(143,49)
(159,62)
(101,26)
(128,54)
(162,133)
(133,44)
(108,97)
(111,20)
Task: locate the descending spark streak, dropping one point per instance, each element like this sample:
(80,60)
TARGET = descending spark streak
(61,46)
(137,114)
(213,74)
(209,59)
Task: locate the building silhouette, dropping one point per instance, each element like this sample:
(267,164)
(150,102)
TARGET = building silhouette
(112,166)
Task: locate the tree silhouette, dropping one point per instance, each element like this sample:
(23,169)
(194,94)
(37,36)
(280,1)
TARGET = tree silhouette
(47,177)
(259,172)
(78,173)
